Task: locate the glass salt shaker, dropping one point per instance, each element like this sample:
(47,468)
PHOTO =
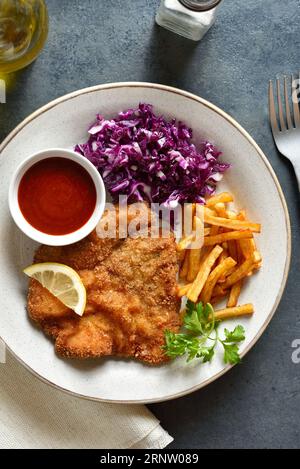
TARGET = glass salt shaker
(189,18)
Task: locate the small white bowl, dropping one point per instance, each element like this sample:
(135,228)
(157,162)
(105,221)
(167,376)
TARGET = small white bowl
(33,233)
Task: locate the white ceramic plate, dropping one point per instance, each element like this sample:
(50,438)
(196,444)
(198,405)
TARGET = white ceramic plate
(62,123)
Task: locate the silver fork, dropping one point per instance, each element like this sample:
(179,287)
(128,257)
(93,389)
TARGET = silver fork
(287,133)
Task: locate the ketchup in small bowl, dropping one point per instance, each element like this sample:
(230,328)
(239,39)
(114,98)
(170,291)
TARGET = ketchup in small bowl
(57,197)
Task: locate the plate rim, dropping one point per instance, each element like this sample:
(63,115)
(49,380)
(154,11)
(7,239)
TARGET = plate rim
(234,123)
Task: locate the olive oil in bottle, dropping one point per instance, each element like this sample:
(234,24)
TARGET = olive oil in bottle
(23,32)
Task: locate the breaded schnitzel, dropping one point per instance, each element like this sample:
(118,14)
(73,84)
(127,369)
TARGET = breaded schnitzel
(131,298)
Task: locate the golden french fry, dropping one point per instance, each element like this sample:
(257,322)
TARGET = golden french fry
(209,211)
(222,279)
(206,231)
(224,197)
(220,209)
(214,230)
(185,242)
(257,257)
(199,231)
(232,248)
(182,290)
(203,274)
(194,223)
(199,211)
(223,256)
(194,264)
(219,291)
(240,256)
(185,266)
(239,273)
(231,214)
(214,276)
(247,247)
(257,266)
(234,294)
(198,222)
(232,224)
(180,256)
(204,253)
(235,312)
(241,215)
(230,235)
(188,215)
(195,253)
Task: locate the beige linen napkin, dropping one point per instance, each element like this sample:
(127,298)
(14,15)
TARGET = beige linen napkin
(35,415)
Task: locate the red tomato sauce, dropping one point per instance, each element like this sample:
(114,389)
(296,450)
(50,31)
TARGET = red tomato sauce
(57,196)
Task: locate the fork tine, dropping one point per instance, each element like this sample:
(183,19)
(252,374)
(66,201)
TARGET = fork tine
(272,112)
(280,109)
(295,103)
(287,105)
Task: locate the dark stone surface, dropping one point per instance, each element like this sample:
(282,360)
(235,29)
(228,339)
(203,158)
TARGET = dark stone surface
(98,41)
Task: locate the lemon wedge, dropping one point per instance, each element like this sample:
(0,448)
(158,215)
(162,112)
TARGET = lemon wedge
(62,281)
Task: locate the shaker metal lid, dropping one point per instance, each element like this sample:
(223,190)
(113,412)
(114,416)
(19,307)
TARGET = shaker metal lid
(200,5)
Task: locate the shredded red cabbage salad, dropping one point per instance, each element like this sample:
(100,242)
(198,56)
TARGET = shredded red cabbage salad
(146,157)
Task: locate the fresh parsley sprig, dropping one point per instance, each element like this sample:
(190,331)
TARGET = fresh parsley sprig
(201,336)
